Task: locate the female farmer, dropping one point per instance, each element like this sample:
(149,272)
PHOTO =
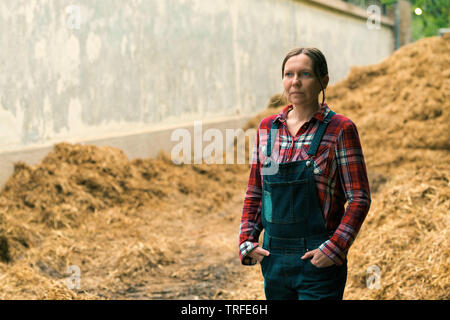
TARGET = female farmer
(307,163)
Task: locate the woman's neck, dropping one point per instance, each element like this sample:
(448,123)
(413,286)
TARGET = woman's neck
(303,113)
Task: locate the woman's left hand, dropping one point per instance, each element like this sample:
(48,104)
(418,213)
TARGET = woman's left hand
(319,259)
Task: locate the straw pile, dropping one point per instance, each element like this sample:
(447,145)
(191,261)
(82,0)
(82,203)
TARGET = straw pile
(149,228)
(116,219)
(402,110)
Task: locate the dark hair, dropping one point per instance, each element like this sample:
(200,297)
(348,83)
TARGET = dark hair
(319,64)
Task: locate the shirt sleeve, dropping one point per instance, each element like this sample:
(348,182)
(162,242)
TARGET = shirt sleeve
(251,225)
(353,177)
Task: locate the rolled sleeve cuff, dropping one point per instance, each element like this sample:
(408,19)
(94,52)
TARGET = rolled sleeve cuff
(332,251)
(245,249)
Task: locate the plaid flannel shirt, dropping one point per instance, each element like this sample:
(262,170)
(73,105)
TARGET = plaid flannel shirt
(339,172)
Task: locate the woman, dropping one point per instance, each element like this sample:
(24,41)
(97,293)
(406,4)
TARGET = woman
(307,163)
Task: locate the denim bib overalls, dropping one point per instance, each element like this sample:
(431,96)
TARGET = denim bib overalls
(294,224)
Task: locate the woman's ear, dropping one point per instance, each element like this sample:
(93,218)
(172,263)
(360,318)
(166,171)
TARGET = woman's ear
(325,81)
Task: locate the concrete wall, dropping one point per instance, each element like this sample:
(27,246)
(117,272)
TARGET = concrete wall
(88,70)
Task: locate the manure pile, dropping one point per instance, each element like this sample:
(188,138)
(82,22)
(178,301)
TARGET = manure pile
(119,221)
(136,227)
(402,109)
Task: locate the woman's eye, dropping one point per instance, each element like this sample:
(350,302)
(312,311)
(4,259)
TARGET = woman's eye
(306,74)
(288,74)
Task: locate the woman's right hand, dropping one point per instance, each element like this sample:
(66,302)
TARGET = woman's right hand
(258,253)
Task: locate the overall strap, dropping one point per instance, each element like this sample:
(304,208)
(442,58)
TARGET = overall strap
(319,134)
(271,138)
(314,144)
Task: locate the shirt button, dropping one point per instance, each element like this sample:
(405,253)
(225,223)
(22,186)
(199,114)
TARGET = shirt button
(308,163)
(316,171)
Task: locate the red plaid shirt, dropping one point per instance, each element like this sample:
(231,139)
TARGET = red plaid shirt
(339,172)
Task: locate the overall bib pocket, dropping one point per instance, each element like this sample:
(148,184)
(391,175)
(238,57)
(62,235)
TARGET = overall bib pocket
(289,199)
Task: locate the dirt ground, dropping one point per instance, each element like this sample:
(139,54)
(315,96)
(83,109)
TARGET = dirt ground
(152,229)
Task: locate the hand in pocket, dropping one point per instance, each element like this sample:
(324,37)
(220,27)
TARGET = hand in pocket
(258,253)
(318,258)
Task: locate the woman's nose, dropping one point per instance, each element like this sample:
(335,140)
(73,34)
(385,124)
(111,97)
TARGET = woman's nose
(296,80)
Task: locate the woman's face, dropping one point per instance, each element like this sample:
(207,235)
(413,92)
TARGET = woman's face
(301,87)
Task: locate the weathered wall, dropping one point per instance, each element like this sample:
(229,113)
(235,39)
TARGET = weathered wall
(129,66)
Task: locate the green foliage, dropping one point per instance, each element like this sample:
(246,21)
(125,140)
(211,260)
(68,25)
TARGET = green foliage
(388,3)
(435,15)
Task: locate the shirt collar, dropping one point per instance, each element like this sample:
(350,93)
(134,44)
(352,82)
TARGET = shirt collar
(319,115)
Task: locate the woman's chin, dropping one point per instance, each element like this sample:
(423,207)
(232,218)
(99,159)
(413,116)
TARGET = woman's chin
(298,100)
